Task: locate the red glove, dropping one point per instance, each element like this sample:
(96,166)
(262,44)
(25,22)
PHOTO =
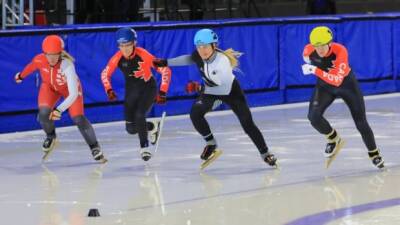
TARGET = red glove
(111,95)
(161,98)
(192,86)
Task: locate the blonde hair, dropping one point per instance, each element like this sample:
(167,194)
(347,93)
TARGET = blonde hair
(232,56)
(66,55)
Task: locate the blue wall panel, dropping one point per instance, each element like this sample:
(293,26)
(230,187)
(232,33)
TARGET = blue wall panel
(259,63)
(369,45)
(15,53)
(396,51)
(270,69)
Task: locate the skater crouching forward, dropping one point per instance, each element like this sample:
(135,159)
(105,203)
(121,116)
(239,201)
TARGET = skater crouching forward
(329,62)
(140,87)
(59,79)
(220,84)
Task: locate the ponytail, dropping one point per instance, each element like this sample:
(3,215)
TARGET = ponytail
(66,55)
(232,56)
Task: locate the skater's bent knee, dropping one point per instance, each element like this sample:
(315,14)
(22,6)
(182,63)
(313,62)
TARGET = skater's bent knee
(80,120)
(140,116)
(131,128)
(44,113)
(197,111)
(314,117)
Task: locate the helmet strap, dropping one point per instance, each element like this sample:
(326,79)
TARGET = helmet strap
(212,57)
(133,52)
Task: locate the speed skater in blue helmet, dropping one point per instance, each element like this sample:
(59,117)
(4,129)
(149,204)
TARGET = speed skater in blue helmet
(205,37)
(126,38)
(126,34)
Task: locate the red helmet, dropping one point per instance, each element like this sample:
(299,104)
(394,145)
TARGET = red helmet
(52,44)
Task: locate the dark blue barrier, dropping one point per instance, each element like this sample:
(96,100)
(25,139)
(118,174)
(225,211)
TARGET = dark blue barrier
(396,51)
(369,38)
(270,67)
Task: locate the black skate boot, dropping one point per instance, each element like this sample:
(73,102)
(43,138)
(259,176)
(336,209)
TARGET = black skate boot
(333,147)
(98,154)
(154,133)
(376,158)
(48,146)
(270,159)
(145,152)
(210,153)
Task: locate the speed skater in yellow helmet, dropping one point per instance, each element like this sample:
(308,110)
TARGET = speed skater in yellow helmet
(321,35)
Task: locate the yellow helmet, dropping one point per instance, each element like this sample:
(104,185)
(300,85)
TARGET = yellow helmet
(321,35)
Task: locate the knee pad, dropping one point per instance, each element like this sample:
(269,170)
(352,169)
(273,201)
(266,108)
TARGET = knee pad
(43,114)
(193,114)
(81,121)
(314,117)
(196,111)
(130,128)
(139,116)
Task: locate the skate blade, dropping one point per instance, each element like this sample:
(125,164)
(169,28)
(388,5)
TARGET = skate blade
(383,169)
(333,157)
(102,161)
(164,114)
(212,158)
(382,166)
(277,166)
(48,152)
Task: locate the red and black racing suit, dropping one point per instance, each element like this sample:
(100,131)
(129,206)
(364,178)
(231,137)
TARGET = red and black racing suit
(140,87)
(336,79)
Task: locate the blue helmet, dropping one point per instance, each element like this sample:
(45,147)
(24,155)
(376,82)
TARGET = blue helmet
(205,36)
(125,34)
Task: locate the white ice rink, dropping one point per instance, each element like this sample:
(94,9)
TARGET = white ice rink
(237,189)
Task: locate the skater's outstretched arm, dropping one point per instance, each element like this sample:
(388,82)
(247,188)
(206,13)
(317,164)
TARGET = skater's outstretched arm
(32,66)
(183,60)
(163,70)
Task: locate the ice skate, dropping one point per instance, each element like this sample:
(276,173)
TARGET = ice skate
(210,153)
(154,133)
(48,146)
(270,159)
(332,149)
(376,158)
(98,154)
(145,153)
